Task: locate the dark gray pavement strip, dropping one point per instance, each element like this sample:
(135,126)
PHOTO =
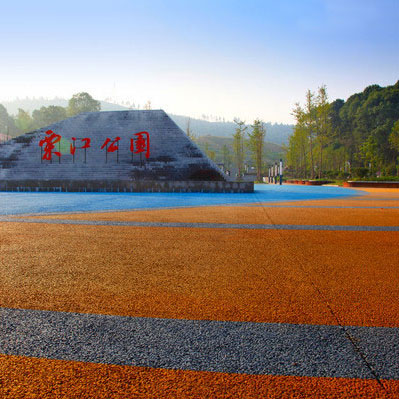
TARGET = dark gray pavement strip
(202,225)
(232,347)
(373,342)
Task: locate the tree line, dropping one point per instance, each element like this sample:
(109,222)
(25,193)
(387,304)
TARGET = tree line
(247,140)
(358,137)
(255,143)
(23,122)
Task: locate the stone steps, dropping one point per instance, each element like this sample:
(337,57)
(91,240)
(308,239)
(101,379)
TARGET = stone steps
(172,154)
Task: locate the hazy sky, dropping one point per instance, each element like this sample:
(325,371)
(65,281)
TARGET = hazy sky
(248,58)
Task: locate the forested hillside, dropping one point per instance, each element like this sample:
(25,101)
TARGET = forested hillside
(359,136)
(276,133)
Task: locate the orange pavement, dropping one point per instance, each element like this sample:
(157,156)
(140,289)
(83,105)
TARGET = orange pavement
(240,275)
(251,215)
(42,378)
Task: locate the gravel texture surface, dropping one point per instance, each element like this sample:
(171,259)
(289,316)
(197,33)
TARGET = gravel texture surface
(222,274)
(203,225)
(229,347)
(25,377)
(220,298)
(251,215)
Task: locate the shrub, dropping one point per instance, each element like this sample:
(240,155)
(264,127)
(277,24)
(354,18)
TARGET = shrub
(360,172)
(343,175)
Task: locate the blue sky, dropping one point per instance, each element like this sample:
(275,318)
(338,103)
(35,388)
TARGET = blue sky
(248,59)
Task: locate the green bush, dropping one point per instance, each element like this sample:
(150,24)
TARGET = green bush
(382,178)
(390,170)
(360,172)
(334,174)
(343,175)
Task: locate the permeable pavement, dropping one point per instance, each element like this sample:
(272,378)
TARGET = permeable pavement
(280,296)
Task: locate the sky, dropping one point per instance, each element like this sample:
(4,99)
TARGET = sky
(247,59)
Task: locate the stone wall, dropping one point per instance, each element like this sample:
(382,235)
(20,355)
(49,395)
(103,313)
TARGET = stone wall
(173,156)
(127,186)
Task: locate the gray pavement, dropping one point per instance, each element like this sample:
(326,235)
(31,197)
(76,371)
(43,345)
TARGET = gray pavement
(221,346)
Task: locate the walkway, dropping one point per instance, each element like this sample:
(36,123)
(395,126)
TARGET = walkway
(201,297)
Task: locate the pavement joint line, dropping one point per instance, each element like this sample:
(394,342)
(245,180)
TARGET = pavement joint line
(202,225)
(324,299)
(203,345)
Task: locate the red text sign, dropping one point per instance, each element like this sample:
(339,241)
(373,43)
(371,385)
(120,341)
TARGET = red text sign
(142,142)
(49,144)
(139,144)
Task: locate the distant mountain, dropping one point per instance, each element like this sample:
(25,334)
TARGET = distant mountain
(275,132)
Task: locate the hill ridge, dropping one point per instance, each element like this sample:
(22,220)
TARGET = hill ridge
(277,133)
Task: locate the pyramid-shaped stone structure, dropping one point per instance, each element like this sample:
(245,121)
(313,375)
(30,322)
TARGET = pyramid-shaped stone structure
(172,155)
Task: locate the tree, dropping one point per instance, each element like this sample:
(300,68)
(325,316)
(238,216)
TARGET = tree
(24,121)
(358,132)
(310,130)
(209,153)
(47,115)
(299,143)
(322,123)
(212,155)
(147,105)
(82,102)
(226,157)
(189,132)
(394,141)
(370,153)
(7,124)
(309,122)
(298,151)
(256,143)
(238,145)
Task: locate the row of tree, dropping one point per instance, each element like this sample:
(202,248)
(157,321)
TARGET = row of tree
(255,143)
(25,122)
(358,137)
(243,140)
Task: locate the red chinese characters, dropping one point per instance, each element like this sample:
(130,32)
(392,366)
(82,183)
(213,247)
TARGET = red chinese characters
(138,145)
(73,146)
(49,145)
(142,142)
(113,147)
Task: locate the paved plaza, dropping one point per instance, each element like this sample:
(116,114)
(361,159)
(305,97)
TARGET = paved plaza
(290,292)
